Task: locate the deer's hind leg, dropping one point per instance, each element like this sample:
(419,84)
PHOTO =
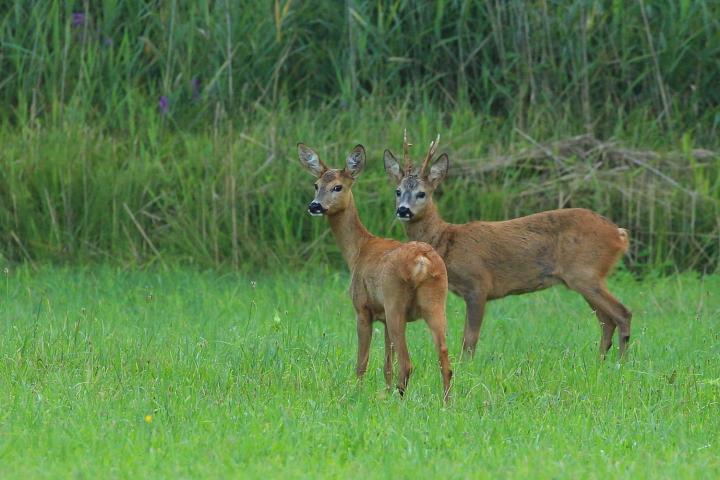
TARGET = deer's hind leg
(389,354)
(364,333)
(431,300)
(598,296)
(437,323)
(395,321)
(607,326)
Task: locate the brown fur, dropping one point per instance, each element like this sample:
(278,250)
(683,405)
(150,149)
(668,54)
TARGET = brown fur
(392,282)
(490,260)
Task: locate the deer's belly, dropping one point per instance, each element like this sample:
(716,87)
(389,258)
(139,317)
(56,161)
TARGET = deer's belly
(534,285)
(368,301)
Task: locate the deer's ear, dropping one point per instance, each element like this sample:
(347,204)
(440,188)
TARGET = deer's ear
(310,160)
(355,161)
(392,167)
(439,170)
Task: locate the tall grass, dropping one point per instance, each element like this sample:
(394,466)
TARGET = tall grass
(238,197)
(603,64)
(157,132)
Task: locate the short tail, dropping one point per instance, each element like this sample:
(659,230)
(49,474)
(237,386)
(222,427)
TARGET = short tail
(421,269)
(624,238)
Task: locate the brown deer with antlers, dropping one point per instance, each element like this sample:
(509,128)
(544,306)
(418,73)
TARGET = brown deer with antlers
(490,260)
(390,281)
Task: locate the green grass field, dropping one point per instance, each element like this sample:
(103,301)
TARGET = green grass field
(147,147)
(112,373)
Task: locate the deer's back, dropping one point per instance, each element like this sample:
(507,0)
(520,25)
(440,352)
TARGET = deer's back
(389,270)
(530,253)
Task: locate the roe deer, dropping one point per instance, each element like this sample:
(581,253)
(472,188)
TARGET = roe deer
(489,260)
(390,281)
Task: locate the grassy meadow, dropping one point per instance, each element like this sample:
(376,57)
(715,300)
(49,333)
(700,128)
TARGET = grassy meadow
(169,310)
(106,372)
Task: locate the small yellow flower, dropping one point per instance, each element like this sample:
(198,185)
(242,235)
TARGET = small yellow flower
(148,418)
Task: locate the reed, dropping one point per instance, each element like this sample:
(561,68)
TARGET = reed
(237,197)
(165,133)
(602,65)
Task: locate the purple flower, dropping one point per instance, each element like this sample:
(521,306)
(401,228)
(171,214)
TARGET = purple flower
(164,105)
(78,19)
(195,85)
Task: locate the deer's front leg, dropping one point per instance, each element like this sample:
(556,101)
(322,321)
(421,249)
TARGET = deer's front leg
(475,304)
(364,331)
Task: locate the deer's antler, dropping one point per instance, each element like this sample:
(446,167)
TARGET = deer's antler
(430,154)
(407,164)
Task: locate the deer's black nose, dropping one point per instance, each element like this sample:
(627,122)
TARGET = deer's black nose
(315,208)
(404,212)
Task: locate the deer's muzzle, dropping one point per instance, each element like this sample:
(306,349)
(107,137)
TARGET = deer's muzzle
(316,209)
(404,213)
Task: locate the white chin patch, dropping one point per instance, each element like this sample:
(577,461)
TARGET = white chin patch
(404,219)
(315,214)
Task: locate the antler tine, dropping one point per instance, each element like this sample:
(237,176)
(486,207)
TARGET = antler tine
(430,154)
(406,152)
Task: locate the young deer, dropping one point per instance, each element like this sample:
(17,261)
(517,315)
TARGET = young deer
(390,281)
(489,260)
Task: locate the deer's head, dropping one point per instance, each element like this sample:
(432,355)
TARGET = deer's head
(332,188)
(415,186)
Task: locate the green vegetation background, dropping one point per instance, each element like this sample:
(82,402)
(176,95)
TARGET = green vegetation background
(164,132)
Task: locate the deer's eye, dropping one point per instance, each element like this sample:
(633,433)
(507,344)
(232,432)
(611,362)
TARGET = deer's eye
(397,192)
(337,188)
(421,195)
(316,187)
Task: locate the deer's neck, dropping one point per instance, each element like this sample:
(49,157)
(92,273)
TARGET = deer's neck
(429,228)
(349,232)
